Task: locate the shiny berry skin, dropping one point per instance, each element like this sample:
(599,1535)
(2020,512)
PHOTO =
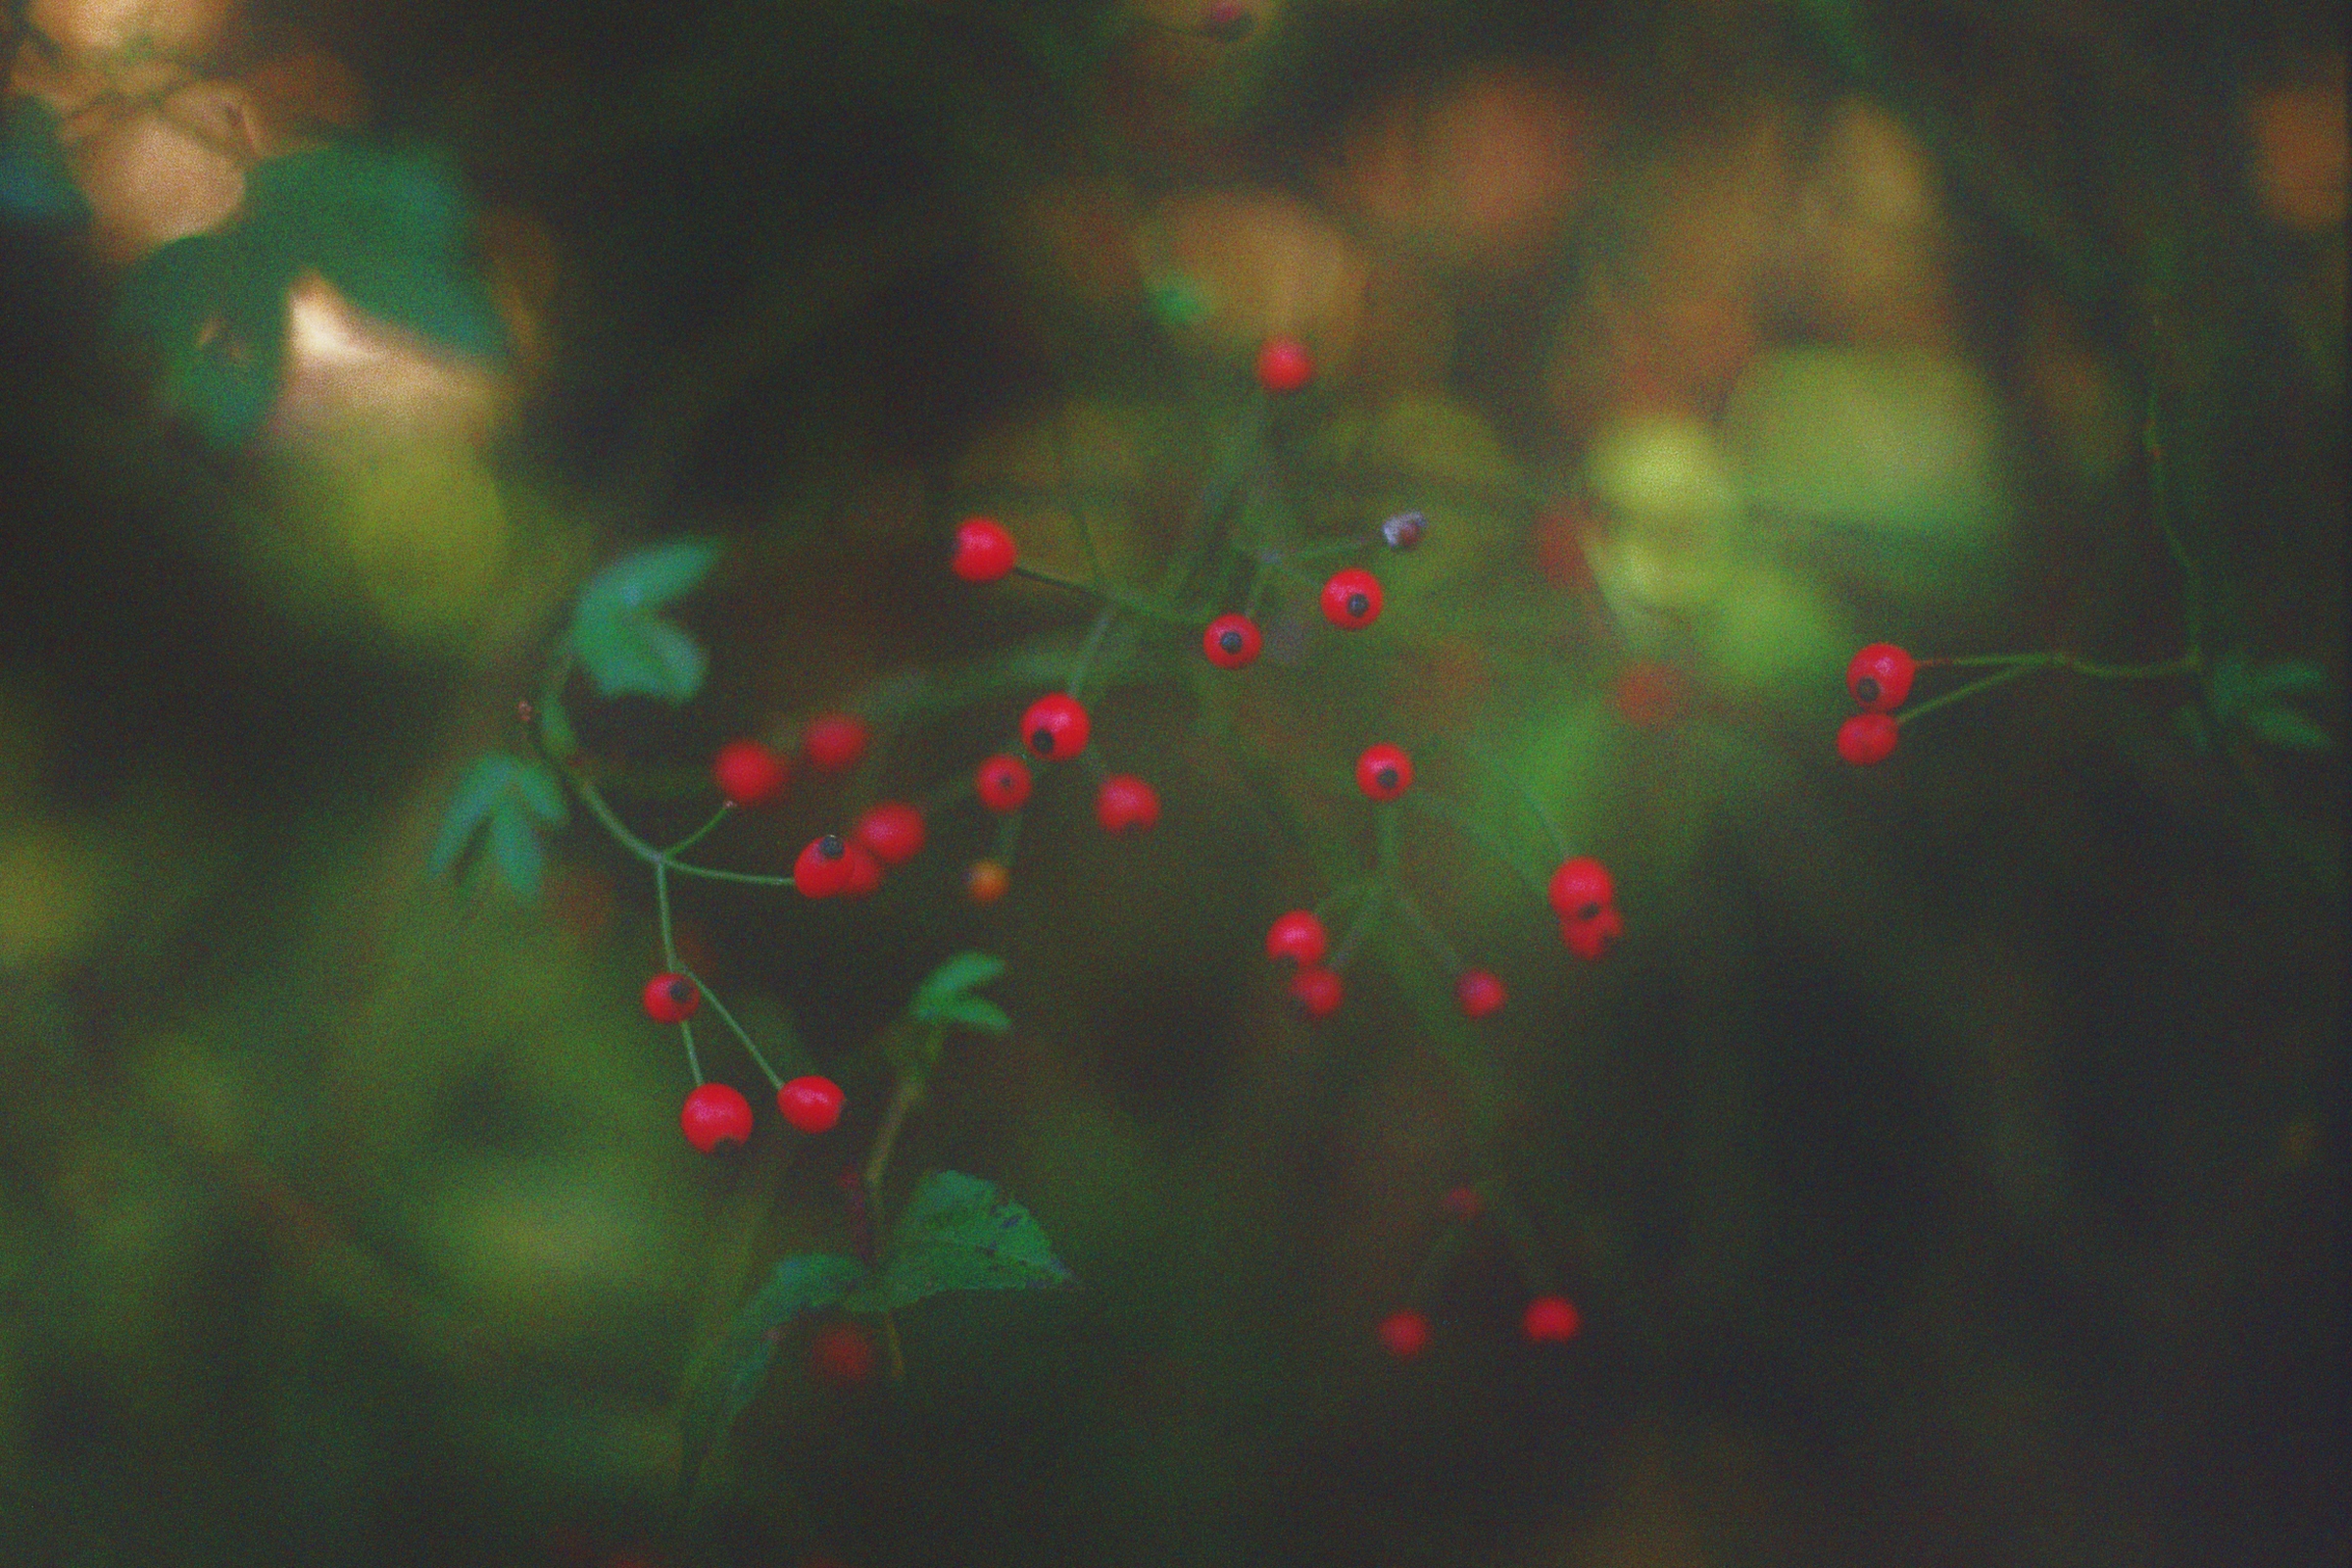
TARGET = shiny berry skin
(748,773)
(716,1115)
(1126,802)
(1232,641)
(812,1103)
(1056,727)
(1384,773)
(864,873)
(1477,992)
(841,1354)
(1317,992)
(833,741)
(1284,365)
(1404,1334)
(1462,1203)
(822,868)
(1351,599)
(986,882)
(672,998)
(1867,738)
(984,550)
(1404,530)
(1553,1318)
(1879,677)
(893,830)
(1580,888)
(1299,937)
(1589,937)
(1004,783)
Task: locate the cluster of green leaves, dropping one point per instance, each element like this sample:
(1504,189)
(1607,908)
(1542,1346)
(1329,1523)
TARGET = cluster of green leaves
(618,632)
(957,1233)
(389,228)
(2243,698)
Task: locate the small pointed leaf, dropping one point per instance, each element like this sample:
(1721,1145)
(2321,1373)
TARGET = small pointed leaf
(475,795)
(2276,724)
(515,847)
(627,652)
(959,1233)
(541,793)
(651,578)
(977,1013)
(963,972)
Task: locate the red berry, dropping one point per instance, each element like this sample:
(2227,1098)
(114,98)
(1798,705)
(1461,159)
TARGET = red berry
(1351,599)
(865,871)
(841,1354)
(1404,1334)
(1462,1203)
(1581,888)
(1004,783)
(1879,677)
(1299,937)
(1317,992)
(1551,1317)
(986,882)
(672,998)
(893,830)
(748,773)
(984,550)
(1056,727)
(1383,773)
(822,868)
(1867,738)
(812,1104)
(1477,992)
(1589,937)
(833,741)
(1284,365)
(1232,641)
(1126,802)
(716,1115)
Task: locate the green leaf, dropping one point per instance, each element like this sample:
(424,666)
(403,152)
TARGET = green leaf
(555,729)
(944,985)
(2276,724)
(2228,685)
(959,1233)
(628,652)
(730,1378)
(477,791)
(2288,676)
(651,578)
(515,847)
(541,793)
(977,1013)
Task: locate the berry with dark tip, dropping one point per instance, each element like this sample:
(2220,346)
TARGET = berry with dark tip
(1232,641)
(1004,783)
(984,550)
(1589,937)
(1299,937)
(1284,365)
(1879,677)
(1126,802)
(1384,773)
(1580,888)
(1477,992)
(1404,1334)
(893,830)
(1056,727)
(748,773)
(716,1115)
(1351,599)
(810,1104)
(671,997)
(834,741)
(822,868)
(1867,738)
(1550,1318)
(1404,530)
(1317,992)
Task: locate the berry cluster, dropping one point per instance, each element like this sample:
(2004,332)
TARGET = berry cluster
(1549,1318)
(1880,678)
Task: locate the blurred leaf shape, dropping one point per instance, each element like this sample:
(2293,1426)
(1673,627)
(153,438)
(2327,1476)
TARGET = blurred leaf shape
(626,646)
(511,796)
(946,985)
(2251,697)
(807,1282)
(958,1232)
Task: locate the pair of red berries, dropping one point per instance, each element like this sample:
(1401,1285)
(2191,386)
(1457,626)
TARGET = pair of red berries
(889,833)
(716,1113)
(1549,1319)
(1585,900)
(749,773)
(1299,938)
(1879,680)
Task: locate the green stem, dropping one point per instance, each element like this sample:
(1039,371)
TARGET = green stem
(2192,589)
(1431,806)
(904,1095)
(1526,797)
(1215,495)
(1962,694)
(1133,605)
(699,833)
(775,1079)
(652,857)
(1361,928)
(669,955)
(1429,934)
(1091,645)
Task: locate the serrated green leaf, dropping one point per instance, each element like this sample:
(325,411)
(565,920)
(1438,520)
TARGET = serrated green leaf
(959,1233)
(515,847)
(730,1378)
(651,579)
(476,793)
(963,972)
(540,793)
(977,1013)
(2276,724)
(627,652)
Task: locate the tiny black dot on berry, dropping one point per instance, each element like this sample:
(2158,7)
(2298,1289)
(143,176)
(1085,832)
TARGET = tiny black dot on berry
(1866,688)
(831,846)
(1357,604)
(1386,777)
(1042,738)
(1589,912)
(1230,641)
(681,990)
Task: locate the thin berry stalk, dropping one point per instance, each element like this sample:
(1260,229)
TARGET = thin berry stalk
(1437,810)
(775,1080)
(1439,947)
